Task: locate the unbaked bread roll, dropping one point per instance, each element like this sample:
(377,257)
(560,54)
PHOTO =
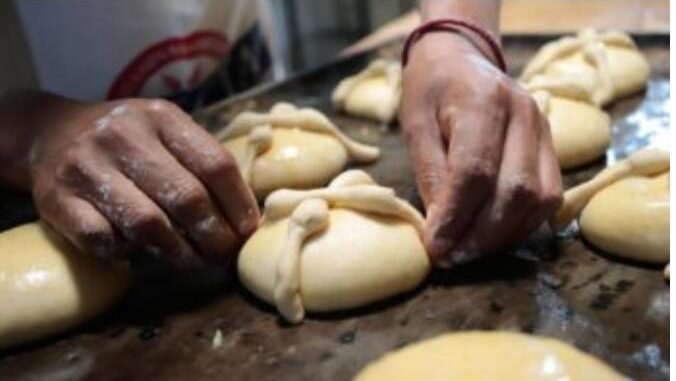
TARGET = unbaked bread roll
(580,129)
(488,356)
(373,93)
(609,63)
(47,287)
(624,208)
(334,248)
(290,148)
(630,218)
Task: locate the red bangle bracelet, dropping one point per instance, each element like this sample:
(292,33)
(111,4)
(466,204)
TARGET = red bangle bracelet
(458,26)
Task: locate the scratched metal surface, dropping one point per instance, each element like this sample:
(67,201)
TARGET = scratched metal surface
(558,287)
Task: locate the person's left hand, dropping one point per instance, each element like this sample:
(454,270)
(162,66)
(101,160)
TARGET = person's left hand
(481,150)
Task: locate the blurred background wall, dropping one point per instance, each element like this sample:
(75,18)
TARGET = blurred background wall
(312,32)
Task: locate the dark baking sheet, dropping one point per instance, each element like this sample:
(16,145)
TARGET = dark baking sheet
(167,327)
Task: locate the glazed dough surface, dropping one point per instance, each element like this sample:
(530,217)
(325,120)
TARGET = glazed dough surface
(47,287)
(488,356)
(360,258)
(290,147)
(353,258)
(373,93)
(296,159)
(631,218)
(580,129)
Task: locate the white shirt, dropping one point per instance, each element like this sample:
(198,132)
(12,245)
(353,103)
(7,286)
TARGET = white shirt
(102,49)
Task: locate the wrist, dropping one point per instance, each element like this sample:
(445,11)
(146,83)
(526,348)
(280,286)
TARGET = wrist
(484,13)
(464,31)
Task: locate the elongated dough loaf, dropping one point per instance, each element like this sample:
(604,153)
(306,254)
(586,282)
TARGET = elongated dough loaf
(46,286)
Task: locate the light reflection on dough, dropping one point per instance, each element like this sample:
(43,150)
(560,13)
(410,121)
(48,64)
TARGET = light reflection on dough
(289,152)
(483,356)
(33,278)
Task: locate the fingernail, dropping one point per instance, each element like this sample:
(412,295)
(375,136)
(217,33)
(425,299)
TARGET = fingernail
(248,226)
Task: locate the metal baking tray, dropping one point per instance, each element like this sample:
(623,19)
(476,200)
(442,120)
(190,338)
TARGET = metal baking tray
(169,325)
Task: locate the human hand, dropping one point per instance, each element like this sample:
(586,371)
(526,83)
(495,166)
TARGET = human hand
(139,173)
(481,150)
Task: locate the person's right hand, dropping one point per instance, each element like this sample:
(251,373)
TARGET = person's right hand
(140,173)
(481,149)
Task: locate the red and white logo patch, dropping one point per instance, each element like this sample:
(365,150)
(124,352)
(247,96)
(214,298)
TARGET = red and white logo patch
(171,66)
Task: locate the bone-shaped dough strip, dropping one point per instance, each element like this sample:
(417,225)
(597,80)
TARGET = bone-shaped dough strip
(595,54)
(350,178)
(259,141)
(561,86)
(645,162)
(365,198)
(562,47)
(284,115)
(311,216)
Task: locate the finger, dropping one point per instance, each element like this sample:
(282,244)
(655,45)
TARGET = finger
(82,225)
(474,155)
(501,221)
(131,212)
(550,182)
(144,160)
(426,149)
(200,153)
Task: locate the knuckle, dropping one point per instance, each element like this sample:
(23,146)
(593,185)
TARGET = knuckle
(74,166)
(409,133)
(190,196)
(499,91)
(144,221)
(552,199)
(220,164)
(428,175)
(159,106)
(479,172)
(523,189)
(111,130)
(94,238)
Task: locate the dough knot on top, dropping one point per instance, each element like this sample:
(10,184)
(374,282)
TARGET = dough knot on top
(542,88)
(290,147)
(286,115)
(586,58)
(309,213)
(353,189)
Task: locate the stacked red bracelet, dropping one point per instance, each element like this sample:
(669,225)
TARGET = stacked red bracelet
(456,26)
